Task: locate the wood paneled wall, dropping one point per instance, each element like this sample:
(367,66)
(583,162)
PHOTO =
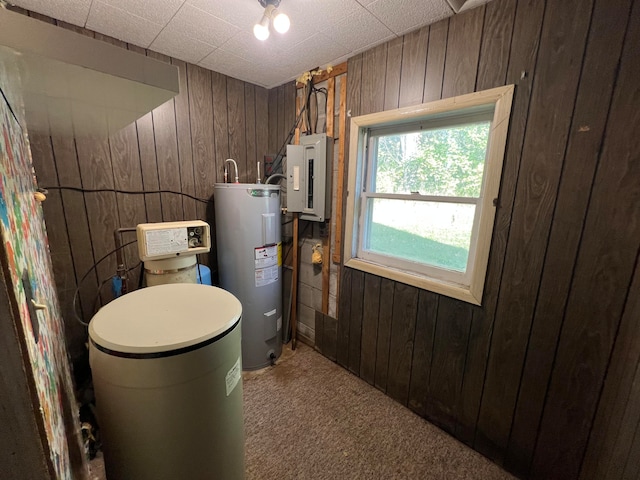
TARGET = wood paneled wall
(180,146)
(544,377)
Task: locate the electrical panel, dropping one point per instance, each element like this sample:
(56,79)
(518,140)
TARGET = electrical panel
(309,177)
(158,241)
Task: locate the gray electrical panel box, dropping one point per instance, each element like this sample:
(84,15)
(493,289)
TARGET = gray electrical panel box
(309,177)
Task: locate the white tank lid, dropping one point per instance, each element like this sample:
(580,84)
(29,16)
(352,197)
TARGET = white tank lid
(164,318)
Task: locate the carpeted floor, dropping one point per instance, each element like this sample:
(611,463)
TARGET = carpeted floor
(308,418)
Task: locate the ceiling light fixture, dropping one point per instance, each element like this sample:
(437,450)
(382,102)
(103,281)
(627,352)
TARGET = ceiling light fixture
(280,20)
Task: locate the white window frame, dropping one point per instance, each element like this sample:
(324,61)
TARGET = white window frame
(469,286)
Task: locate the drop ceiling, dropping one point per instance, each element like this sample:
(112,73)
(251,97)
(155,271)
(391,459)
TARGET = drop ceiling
(217,34)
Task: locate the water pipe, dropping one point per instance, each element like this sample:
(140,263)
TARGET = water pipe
(225,169)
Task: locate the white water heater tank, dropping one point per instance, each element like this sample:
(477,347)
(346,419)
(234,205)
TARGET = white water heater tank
(250,264)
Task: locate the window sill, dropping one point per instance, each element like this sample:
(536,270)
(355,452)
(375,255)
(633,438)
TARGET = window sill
(452,290)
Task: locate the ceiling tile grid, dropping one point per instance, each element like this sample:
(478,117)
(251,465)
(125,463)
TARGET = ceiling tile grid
(123,25)
(178,44)
(394,13)
(152,10)
(202,25)
(218,34)
(73,11)
(359,30)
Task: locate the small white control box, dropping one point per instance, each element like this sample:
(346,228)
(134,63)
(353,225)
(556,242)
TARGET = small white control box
(157,241)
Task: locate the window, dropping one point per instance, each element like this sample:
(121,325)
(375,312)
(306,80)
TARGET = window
(422,185)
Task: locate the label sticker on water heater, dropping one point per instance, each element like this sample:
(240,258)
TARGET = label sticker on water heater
(266,276)
(266,264)
(233,377)
(266,256)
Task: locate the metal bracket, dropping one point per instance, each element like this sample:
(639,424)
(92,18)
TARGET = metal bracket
(264,3)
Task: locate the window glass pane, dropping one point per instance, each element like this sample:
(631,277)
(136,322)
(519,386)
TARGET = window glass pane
(432,233)
(445,161)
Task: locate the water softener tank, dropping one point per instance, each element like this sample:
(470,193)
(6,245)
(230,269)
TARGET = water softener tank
(250,264)
(167,375)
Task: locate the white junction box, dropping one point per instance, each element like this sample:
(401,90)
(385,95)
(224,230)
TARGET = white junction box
(158,241)
(309,177)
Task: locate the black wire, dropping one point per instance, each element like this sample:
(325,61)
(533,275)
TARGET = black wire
(84,277)
(128,192)
(277,161)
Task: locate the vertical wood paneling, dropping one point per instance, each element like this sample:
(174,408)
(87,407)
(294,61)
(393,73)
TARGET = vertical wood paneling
(237,128)
(289,108)
(623,450)
(496,42)
(422,352)
(165,137)
(602,277)
(414,61)
(202,142)
(449,354)
(438,33)
(600,65)
(250,129)
(220,124)
(319,331)
(392,74)
(183,132)
(62,259)
(632,467)
(344,318)
(559,61)
(273,121)
(280,120)
(330,337)
(149,165)
(463,51)
(373,82)
(403,326)
(611,419)
(355,320)
(371,307)
(76,221)
(524,50)
(384,333)
(127,175)
(102,208)
(164,131)
(262,126)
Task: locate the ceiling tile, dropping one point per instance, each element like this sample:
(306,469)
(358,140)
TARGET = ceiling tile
(177,44)
(359,30)
(234,66)
(248,47)
(202,25)
(244,14)
(72,11)
(122,25)
(402,16)
(155,11)
(315,51)
(326,12)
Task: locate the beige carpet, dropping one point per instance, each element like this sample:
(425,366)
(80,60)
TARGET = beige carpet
(308,418)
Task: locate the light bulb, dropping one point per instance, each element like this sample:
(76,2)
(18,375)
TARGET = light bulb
(281,23)
(261,30)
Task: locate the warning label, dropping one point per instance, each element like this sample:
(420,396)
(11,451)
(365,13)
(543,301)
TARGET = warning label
(233,377)
(266,276)
(267,261)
